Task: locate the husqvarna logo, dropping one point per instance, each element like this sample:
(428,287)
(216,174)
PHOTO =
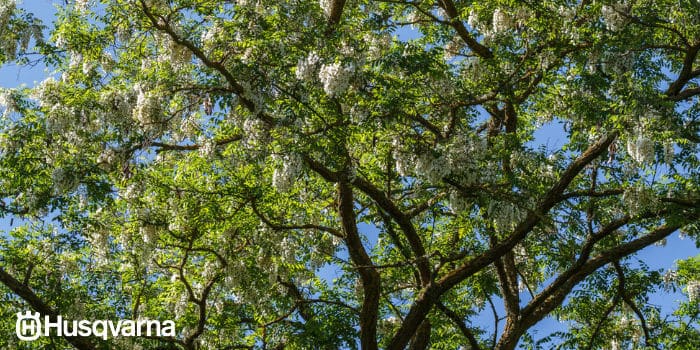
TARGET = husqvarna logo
(30,326)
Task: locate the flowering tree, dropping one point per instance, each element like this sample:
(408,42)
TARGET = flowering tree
(300,175)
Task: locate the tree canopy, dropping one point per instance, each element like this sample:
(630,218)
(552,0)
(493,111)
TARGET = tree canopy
(353,174)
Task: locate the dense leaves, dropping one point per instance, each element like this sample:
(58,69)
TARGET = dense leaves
(354,174)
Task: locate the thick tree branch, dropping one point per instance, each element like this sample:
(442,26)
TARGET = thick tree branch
(371,282)
(36,303)
(430,294)
(458,25)
(161,24)
(548,300)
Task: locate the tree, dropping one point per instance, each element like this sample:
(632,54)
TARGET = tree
(300,175)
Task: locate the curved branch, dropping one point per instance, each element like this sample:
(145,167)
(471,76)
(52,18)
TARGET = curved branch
(430,294)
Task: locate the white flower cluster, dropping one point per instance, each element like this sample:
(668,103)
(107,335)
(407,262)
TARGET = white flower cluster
(207,148)
(7,102)
(378,44)
(178,55)
(473,19)
(117,102)
(326,6)
(641,149)
(48,92)
(99,242)
(501,21)
(459,203)
(107,158)
(521,254)
(457,159)
(63,181)
(7,9)
(693,290)
(335,78)
(414,17)
(432,167)
(149,234)
(147,108)
(283,178)
(669,152)
(306,67)
(638,199)
(255,133)
(670,277)
(612,16)
(505,215)
(81,5)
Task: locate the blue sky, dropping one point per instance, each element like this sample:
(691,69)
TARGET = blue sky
(551,135)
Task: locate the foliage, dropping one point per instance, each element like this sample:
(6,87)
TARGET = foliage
(354,174)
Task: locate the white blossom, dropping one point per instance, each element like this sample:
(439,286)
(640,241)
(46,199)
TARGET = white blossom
(414,17)
(284,177)
(693,290)
(326,6)
(148,234)
(473,19)
(637,199)
(7,102)
(505,215)
(377,45)
(501,21)
(641,149)
(81,5)
(99,242)
(211,35)
(63,181)
(670,277)
(207,148)
(7,8)
(669,152)
(612,17)
(335,78)
(255,132)
(306,67)
(459,203)
(107,157)
(404,164)
(147,108)
(431,168)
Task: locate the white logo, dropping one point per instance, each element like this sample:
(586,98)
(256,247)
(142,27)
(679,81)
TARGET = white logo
(29,327)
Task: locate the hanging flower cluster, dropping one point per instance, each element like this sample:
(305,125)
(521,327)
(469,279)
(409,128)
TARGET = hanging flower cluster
(501,21)
(378,44)
(147,108)
(693,290)
(306,67)
(669,152)
(283,178)
(641,149)
(335,78)
(612,16)
(326,6)
(505,215)
(638,199)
